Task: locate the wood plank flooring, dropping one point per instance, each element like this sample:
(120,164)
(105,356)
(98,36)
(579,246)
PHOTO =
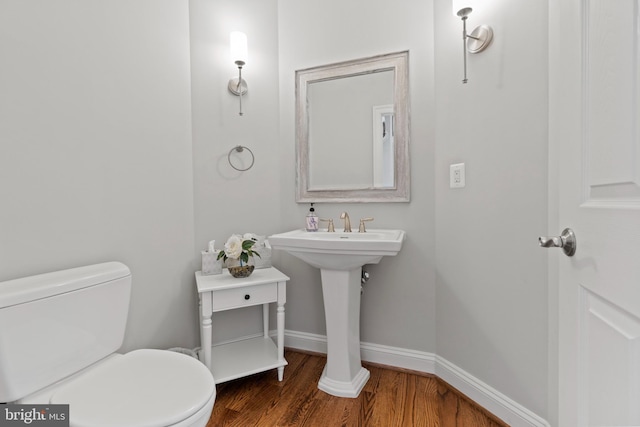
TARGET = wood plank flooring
(390,398)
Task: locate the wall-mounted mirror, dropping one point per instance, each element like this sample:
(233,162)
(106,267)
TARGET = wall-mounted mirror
(352,131)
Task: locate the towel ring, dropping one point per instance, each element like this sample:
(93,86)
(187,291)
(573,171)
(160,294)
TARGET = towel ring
(240,149)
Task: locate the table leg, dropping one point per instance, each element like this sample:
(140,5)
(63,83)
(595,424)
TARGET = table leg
(205,329)
(280,320)
(265,319)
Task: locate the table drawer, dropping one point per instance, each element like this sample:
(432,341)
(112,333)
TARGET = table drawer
(243,297)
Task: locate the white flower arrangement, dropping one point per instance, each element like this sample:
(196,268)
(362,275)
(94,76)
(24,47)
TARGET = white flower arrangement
(239,247)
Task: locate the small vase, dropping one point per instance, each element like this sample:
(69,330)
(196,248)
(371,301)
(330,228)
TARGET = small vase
(238,268)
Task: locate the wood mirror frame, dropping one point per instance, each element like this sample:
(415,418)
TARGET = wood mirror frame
(400,191)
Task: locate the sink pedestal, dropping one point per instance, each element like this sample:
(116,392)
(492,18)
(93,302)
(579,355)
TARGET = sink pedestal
(343,375)
(340,257)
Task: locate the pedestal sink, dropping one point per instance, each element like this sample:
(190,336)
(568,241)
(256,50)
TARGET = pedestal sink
(340,257)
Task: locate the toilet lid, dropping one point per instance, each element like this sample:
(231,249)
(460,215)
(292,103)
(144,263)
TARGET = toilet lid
(143,388)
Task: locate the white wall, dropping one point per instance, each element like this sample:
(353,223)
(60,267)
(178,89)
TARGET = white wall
(491,290)
(398,306)
(480,300)
(228,201)
(97,163)
(95,151)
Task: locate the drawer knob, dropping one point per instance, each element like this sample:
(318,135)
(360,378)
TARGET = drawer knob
(247,296)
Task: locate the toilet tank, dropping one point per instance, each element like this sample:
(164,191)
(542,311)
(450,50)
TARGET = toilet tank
(55,324)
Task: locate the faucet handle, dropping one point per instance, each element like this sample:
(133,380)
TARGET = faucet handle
(362,228)
(330,227)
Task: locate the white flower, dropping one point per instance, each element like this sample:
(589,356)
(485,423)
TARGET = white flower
(233,247)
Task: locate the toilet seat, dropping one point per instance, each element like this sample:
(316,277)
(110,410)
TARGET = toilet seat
(143,388)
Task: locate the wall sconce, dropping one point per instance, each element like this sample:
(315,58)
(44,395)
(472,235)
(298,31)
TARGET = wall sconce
(479,39)
(238,86)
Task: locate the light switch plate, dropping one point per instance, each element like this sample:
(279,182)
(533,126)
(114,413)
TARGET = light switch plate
(456,175)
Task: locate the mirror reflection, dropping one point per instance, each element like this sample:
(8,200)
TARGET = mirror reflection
(341,123)
(352,131)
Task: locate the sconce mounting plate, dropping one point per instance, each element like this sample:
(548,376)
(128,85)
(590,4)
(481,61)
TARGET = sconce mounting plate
(479,39)
(235,89)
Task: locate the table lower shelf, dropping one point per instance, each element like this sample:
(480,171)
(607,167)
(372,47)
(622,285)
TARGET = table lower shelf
(245,357)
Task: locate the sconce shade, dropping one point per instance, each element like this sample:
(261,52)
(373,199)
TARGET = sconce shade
(462,7)
(238,47)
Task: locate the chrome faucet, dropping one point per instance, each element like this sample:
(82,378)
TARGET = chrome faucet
(347,222)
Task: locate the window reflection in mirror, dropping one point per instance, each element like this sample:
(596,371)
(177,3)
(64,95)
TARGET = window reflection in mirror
(383,146)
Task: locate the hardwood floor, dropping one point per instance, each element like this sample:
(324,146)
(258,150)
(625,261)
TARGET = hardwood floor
(390,398)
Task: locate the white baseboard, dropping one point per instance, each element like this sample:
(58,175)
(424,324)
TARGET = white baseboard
(486,396)
(304,341)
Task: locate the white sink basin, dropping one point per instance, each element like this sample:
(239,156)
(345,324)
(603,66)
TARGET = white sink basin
(339,250)
(340,257)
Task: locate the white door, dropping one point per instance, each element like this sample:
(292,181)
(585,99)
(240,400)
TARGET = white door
(594,148)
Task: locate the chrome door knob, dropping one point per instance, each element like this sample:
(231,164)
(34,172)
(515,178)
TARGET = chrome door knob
(566,241)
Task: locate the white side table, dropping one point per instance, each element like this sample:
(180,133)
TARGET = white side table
(247,356)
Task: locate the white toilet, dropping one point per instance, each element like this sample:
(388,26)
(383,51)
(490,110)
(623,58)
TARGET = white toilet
(59,333)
